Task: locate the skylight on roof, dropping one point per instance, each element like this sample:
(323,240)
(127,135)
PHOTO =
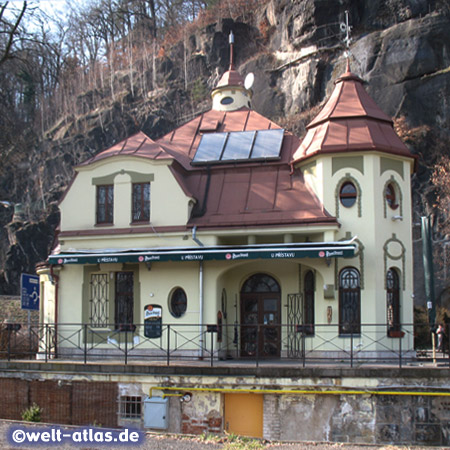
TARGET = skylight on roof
(239,146)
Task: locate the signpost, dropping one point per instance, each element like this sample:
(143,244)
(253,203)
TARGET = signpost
(29,293)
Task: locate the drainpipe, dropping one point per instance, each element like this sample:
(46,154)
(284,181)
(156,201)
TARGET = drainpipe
(200,290)
(200,316)
(194,237)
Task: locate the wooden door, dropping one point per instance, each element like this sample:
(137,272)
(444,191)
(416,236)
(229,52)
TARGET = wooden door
(244,414)
(260,317)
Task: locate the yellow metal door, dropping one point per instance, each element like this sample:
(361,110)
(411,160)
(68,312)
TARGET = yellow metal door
(244,414)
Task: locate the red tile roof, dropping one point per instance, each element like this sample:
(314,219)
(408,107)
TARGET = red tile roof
(350,121)
(241,194)
(244,194)
(137,145)
(230,78)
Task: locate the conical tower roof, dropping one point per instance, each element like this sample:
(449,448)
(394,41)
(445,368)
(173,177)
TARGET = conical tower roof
(350,121)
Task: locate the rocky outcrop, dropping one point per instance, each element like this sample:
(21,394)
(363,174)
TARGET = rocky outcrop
(296,51)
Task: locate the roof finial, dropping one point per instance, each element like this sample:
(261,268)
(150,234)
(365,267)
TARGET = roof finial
(346,28)
(231,40)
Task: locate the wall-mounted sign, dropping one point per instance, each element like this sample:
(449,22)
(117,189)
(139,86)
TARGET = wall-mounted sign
(152,321)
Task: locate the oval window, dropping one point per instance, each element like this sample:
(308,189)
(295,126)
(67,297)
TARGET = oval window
(178,302)
(391,197)
(227,101)
(348,194)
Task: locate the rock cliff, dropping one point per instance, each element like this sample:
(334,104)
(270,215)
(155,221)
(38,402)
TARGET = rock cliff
(296,51)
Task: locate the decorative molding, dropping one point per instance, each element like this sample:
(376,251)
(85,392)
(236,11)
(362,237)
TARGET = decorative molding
(398,192)
(343,180)
(388,255)
(136,177)
(392,164)
(359,254)
(347,162)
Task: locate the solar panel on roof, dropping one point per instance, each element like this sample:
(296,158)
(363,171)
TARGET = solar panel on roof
(239,146)
(267,144)
(210,147)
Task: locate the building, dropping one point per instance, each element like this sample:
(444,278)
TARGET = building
(231,238)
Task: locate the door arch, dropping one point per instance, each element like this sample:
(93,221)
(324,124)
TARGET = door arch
(260,317)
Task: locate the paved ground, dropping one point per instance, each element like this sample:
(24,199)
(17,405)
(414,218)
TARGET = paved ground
(169,442)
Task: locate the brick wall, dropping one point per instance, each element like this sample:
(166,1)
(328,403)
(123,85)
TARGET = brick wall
(72,403)
(202,414)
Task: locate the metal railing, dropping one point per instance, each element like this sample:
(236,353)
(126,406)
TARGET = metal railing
(255,344)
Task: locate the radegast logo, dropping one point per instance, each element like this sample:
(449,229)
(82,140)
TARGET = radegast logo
(236,255)
(329,254)
(67,260)
(149,258)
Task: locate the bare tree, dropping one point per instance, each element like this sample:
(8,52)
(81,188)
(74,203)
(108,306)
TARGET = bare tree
(9,31)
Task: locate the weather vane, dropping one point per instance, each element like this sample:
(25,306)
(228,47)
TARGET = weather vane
(231,40)
(346,28)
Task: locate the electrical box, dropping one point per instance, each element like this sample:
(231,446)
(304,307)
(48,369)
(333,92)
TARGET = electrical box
(156,413)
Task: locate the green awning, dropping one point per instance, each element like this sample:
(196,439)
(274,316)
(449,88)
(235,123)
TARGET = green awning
(344,249)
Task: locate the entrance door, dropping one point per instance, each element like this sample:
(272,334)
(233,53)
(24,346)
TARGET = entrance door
(124,301)
(260,317)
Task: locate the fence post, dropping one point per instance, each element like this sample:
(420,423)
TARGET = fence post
(212,349)
(9,343)
(303,347)
(258,330)
(46,342)
(85,342)
(168,345)
(126,345)
(30,345)
(400,351)
(351,349)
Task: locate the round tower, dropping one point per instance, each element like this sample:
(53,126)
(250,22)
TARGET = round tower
(360,170)
(231,92)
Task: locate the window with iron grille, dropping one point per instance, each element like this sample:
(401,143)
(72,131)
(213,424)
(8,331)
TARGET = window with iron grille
(105,204)
(349,302)
(130,407)
(141,202)
(393,301)
(308,296)
(99,302)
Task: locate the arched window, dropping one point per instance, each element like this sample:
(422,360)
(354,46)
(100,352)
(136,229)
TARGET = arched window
(260,283)
(392,302)
(349,301)
(308,305)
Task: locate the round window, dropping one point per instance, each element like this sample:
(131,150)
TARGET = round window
(227,101)
(177,302)
(391,197)
(348,194)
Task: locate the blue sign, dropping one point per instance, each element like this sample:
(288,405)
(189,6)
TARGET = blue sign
(29,291)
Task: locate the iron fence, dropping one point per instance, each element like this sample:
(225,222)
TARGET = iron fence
(255,344)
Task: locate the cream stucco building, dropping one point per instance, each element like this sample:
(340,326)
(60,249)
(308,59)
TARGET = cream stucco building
(232,238)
